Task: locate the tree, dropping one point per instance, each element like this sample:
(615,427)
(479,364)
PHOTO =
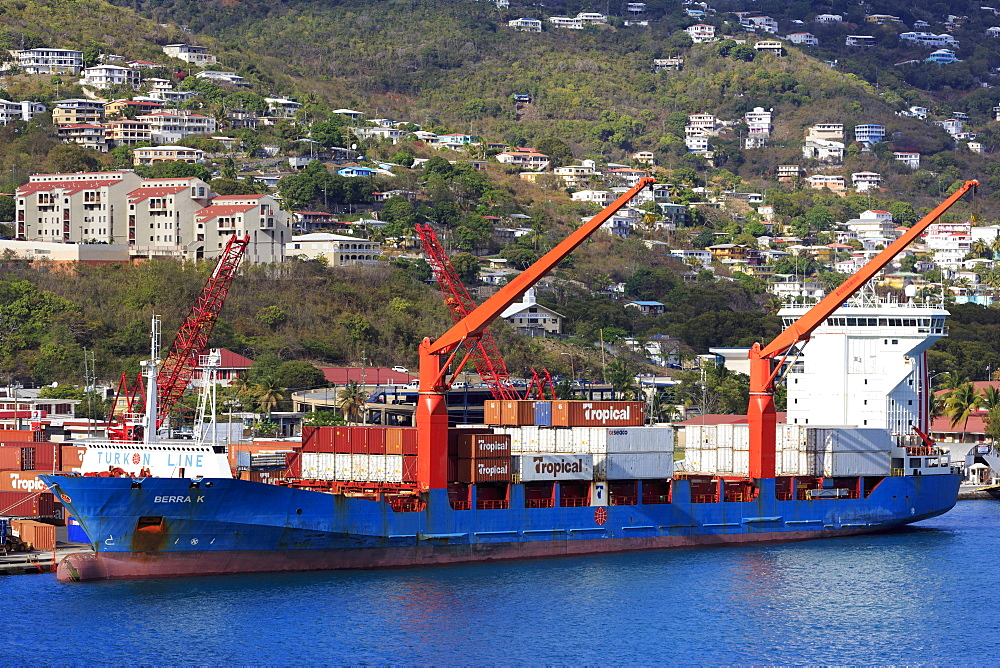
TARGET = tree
(299,374)
(63,392)
(327,134)
(267,394)
(467,267)
(322,419)
(8,208)
(622,378)
(72,158)
(959,405)
(558,151)
(351,401)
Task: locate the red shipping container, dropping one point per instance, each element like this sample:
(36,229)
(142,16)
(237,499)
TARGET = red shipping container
(409,468)
(454,434)
(517,413)
(308,438)
(493,469)
(359,440)
(598,413)
(293,464)
(410,441)
(38,535)
(376,440)
(28,504)
(491,412)
(453,475)
(71,456)
(340,440)
(17,436)
(480,446)
(10,459)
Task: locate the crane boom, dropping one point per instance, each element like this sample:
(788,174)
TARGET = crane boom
(763,366)
(486,355)
(432,412)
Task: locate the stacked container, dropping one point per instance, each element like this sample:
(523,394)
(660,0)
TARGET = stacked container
(482,457)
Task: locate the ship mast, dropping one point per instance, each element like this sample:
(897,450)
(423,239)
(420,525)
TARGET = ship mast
(152,368)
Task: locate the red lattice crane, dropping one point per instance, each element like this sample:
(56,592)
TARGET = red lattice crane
(486,356)
(191,339)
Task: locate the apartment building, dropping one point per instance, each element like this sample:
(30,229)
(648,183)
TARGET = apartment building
(103,77)
(172,125)
(153,217)
(869,134)
(88,135)
(826,132)
(127,132)
(153,154)
(72,111)
(48,61)
(19,111)
(338,249)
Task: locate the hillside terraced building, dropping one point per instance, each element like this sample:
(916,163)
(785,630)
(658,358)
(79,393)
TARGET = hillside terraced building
(153,217)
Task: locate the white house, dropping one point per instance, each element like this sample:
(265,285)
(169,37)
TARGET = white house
(19,111)
(910,159)
(196,55)
(48,61)
(338,250)
(224,77)
(701,32)
(103,77)
(530,317)
(526,25)
(824,151)
(802,39)
(863,181)
(869,134)
(828,18)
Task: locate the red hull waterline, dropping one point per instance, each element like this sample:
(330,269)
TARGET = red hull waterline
(121,565)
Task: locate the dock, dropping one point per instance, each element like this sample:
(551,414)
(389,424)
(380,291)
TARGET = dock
(38,561)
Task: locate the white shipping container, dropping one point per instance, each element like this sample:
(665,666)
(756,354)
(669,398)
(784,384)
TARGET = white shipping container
(639,465)
(741,437)
(342,467)
(855,463)
(376,468)
(310,465)
(639,439)
(707,461)
(741,462)
(724,459)
(724,436)
(858,440)
(394,468)
(553,466)
(359,467)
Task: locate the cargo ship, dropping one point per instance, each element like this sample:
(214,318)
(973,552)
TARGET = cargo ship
(545,478)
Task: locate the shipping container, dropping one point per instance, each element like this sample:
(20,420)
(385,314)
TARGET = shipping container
(516,413)
(637,439)
(71,457)
(29,504)
(359,467)
(394,441)
(293,464)
(394,468)
(75,532)
(410,441)
(843,439)
(598,413)
(409,468)
(10,459)
(855,463)
(341,467)
(23,481)
(477,446)
(491,412)
(639,465)
(376,440)
(543,413)
(38,535)
(493,469)
(551,466)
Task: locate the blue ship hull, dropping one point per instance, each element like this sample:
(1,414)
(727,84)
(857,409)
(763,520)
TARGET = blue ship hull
(158,527)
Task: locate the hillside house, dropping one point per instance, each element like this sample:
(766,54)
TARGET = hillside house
(863,181)
(759,122)
(942,57)
(524,157)
(869,134)
(770,46)
(67,112)
(103,77)
(195,55)
(872,223)
(829,181)
(566,22)
(526,25)
(702,125)
(929,39)
(701,32)
(217,76)
(154,154)
(19,111)
(601,197)
(826,132)
(530,317)
(802,39)
(824,151)
(338,250)
(828,18)
(788,173)
(909,158)
(759,24)
(88,135)
(672,64)
(170,126)
(863,41)
(647,307)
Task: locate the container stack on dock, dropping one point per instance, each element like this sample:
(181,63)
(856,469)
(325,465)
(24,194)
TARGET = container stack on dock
(23,457)
(801,450)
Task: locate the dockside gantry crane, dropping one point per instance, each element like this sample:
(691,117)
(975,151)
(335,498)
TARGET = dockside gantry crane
(191,339)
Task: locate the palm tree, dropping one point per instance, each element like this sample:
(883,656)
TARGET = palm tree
(995,245)
(959,405)
(267,394)
(351,401)
(980,248)
(990,398)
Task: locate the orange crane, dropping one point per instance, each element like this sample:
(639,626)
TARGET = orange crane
(191,339)
(766,361)
(486,355)
(436,356)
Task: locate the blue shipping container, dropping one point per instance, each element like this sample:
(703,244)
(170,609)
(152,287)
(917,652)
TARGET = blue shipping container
(543,413)
(3,532)
(75,532)
(242,459)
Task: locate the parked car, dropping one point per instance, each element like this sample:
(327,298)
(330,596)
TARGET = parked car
(400,369)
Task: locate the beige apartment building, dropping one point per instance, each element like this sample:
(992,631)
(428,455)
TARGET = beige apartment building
(153,217)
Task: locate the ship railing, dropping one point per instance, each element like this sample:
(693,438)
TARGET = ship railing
(897,473)
(407,504)
(492,504)
(539,503)
(461,505)
(704,498)
(574,502)
(623,500)
(783,496)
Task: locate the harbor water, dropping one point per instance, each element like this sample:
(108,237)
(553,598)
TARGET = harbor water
(921,595)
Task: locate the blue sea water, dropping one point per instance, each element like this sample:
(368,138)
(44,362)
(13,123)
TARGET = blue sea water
(923,595)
